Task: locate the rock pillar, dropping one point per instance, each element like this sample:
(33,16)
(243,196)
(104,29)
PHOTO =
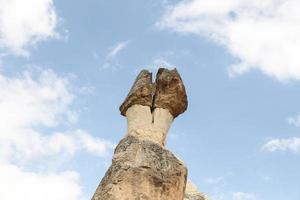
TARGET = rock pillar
(142,168)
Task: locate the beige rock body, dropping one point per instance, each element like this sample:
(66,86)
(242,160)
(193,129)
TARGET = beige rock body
(192,193)
(145,125)
(142,170)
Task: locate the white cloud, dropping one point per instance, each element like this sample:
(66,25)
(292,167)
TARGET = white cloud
(33,105)
(25,23)
(35,145)
(97,146)
(117,49)
(243,196)
(295,121)
(263,35)
(28,103)
(17,184)
(110,61)
(289,144)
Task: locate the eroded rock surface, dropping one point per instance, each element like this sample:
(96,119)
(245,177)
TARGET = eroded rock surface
(142,170)
(141,92)
(192,193)
(170,92)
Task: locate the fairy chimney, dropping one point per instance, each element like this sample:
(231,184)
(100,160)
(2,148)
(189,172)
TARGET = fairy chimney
(142,168)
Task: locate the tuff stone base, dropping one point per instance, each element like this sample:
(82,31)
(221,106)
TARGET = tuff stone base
(142,170)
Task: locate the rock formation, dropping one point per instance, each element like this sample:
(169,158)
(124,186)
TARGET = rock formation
(192,193)
(142,168)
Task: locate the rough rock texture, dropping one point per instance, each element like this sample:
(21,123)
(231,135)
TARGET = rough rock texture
(142,170)
(192,193)
(170,92)
(141,92)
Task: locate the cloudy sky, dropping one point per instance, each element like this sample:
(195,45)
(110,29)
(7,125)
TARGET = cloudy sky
(66,66)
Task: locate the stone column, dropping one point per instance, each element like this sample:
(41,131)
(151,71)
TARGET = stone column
(142,168)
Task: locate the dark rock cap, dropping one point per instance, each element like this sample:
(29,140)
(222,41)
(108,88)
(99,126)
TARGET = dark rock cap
(170,92)
(167,92)
(140,93)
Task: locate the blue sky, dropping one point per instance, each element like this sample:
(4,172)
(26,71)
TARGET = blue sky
(66,66)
